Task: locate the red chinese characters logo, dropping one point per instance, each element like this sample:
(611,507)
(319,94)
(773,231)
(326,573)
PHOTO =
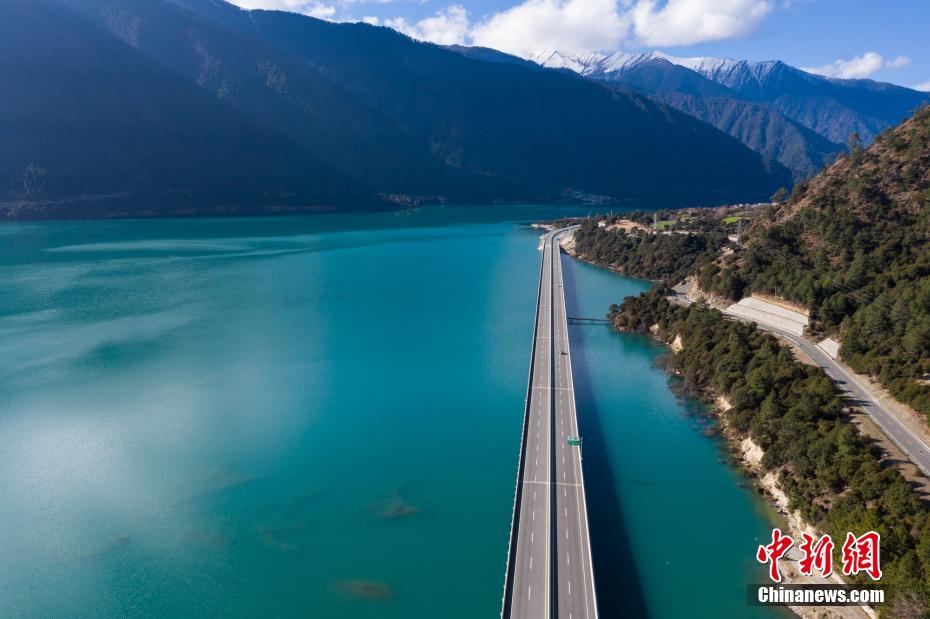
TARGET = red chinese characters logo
(861,554)
(817,555)
(771,553)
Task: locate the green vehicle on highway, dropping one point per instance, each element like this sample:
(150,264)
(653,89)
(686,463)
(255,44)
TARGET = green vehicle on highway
(574,440)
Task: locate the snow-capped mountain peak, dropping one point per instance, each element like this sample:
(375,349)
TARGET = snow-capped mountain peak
(579,63)
(591,64)
(726,71)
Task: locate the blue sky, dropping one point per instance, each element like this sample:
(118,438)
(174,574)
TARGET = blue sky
(882,40)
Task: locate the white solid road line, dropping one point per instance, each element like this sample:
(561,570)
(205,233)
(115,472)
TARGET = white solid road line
(553,373)
(914,447)
(576,468)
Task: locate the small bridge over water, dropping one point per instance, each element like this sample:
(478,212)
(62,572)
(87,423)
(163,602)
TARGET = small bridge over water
(578,320)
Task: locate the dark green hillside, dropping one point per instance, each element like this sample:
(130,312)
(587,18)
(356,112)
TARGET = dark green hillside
(87,121)
(505,122)
(218,52)
(653,256)
(853,245)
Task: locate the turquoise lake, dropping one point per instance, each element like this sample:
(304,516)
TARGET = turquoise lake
(320,417)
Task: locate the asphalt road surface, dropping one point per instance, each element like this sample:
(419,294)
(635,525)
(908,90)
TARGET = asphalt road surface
(913,446)
(549,569)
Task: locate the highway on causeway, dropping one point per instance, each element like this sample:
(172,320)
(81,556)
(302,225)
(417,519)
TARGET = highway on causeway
(549,568)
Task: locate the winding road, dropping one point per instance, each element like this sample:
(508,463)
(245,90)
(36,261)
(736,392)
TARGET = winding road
(916,450)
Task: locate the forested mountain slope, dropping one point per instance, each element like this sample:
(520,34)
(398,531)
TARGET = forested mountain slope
(89,127)
(511,123)
(853,245)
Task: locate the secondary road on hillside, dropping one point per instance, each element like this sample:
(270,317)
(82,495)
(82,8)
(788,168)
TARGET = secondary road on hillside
(912,445)
(550,572)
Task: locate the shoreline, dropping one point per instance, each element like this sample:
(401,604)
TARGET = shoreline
(748,455)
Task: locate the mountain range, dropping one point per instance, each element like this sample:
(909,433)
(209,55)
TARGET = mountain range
(180,107)
(788,115)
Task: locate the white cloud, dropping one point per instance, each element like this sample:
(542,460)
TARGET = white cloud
(924,86)
(446,27)
(897,63)
(371,20)
(578,26)
(567,25)
(859,66)
(572,26)
(314,9)
(323,9)
(684,22)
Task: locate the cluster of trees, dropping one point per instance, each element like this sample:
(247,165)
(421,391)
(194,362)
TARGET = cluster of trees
(694,219)
(830,472)
(666,257)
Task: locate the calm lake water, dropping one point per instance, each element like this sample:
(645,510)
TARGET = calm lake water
(320,417)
